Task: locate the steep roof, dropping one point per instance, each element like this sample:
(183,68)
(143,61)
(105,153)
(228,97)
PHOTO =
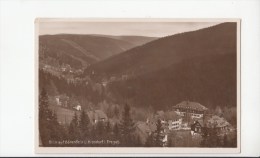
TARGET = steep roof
(190,105)
(213,121)
(199,121)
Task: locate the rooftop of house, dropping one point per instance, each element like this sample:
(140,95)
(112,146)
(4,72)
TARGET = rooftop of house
(216,121)
(213,121)
(190,105)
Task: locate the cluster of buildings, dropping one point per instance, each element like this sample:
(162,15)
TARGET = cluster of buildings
(176,119)
(211,122)
(172,120)
(62,69)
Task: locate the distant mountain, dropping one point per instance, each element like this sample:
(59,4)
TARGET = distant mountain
(197,66)
(82,50)
(164,52)
(135,40)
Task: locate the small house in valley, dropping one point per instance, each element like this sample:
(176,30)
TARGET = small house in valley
(219,124)
(78,108)
(97,115)
(62,100)
(197,127)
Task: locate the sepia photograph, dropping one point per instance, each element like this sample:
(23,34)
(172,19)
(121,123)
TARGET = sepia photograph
(138,83)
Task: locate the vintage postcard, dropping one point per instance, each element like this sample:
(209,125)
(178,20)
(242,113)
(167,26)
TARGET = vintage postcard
(137,85)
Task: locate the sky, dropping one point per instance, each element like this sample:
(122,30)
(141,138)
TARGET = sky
(151,29)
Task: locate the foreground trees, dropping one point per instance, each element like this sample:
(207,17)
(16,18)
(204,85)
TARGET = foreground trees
(155,139)
(159,134)
(49,128)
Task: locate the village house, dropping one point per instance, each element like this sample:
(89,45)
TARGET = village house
(77,107)
(219,123)
(192,109)
(62,100)
(104,83)
(97,115)
(174,120)
(211,122)
(197,127)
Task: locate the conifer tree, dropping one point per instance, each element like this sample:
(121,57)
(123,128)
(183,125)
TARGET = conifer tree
(44,118)
(116,131)
(127,127)
(84,124)
(100,128)
(225,141)
(108,127)
(205,133)
(49,127)
(158,134)
(116,112)
(54,127)
(74,131)
(93,133)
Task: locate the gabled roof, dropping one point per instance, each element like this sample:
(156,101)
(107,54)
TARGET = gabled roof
(213,121)
(216,121)
(199,121)
(190,105)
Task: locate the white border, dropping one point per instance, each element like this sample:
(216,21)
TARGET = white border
(17,59)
